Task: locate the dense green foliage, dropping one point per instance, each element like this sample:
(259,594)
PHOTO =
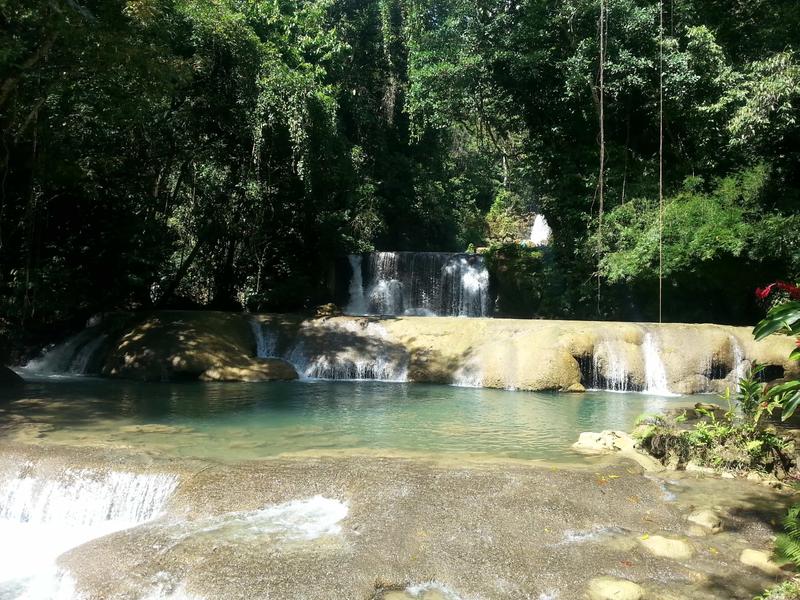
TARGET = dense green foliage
(720,440)
(222,152)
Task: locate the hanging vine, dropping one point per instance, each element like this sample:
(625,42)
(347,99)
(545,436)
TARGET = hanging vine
(660,159)
(601,179)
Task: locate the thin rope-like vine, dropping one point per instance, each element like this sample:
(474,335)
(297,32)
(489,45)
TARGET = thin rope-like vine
(601,179)
(660,159)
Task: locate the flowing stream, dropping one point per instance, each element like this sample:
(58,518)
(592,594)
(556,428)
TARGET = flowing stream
(43,516)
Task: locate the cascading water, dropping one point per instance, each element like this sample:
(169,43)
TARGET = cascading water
(541,233)
(358,302)
(655,374)
(266,339)
(419,283)
(82,361)
(42,517)
(71,357)
(741,366)
(359,351)
(609,368)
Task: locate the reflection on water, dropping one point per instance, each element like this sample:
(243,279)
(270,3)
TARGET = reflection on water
(247,421)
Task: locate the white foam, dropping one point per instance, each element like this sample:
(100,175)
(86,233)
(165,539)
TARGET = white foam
(540,231)
(42,518)
(298,520)
(420,589)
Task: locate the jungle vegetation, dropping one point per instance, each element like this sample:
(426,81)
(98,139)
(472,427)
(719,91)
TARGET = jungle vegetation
(219,153)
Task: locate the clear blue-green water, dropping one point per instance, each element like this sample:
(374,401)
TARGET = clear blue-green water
(251,421)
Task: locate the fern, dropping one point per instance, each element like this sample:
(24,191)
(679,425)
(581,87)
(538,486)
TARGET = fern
(787,545)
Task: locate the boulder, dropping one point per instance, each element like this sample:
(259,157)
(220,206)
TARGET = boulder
(7,376)
(182,345)
(760,560)
(707,519)
(576,388)
(665,547)
(605,441)
(615,441)
(328,310)
(612,588)
(264,369)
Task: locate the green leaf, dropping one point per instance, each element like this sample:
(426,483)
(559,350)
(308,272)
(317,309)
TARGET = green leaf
(781,318)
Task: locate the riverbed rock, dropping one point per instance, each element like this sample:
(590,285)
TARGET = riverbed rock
(693,467)
(760,560)
(8,377)
(707,519)
(665,547)
(605,441)
(516,354)
(265,369)
(182,346)
(612,588)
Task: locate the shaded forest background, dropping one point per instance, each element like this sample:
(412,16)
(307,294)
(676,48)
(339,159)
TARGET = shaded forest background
(219,153)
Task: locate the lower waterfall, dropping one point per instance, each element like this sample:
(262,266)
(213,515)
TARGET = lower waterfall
(620,366)
(43,517)
(266,339)
(73,356)
(655,374)
(354,352)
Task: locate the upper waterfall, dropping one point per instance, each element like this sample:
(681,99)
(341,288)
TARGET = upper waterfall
(419,283)
(541,234)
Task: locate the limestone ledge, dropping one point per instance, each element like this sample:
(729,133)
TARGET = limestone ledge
(494,353)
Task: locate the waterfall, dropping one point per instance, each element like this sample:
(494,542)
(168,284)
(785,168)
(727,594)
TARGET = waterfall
(469,374)
(83,359)
(419,283)
(266,339)
(540,231)
(72,356)
(610,368)
(358,302)
(741,366)
(352,351)
(41,518)
(655,372)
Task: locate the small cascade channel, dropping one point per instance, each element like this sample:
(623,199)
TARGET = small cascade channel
(72,357)
(612,367)
(44,515)
(332,351)
(418,283)
(357,353)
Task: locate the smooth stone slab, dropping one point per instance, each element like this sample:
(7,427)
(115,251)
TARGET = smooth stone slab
(667,547)
(611,588)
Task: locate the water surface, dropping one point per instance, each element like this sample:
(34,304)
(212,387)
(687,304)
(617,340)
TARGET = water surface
(251,421)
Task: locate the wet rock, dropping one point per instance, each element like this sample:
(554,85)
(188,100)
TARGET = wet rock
(155,428)
(693,467)
(328,310)
(760,560)
(707,519)
(576,388)
(605,441)
(611,588)
(615,441)
(7,376)
(667,547)
(263,369)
